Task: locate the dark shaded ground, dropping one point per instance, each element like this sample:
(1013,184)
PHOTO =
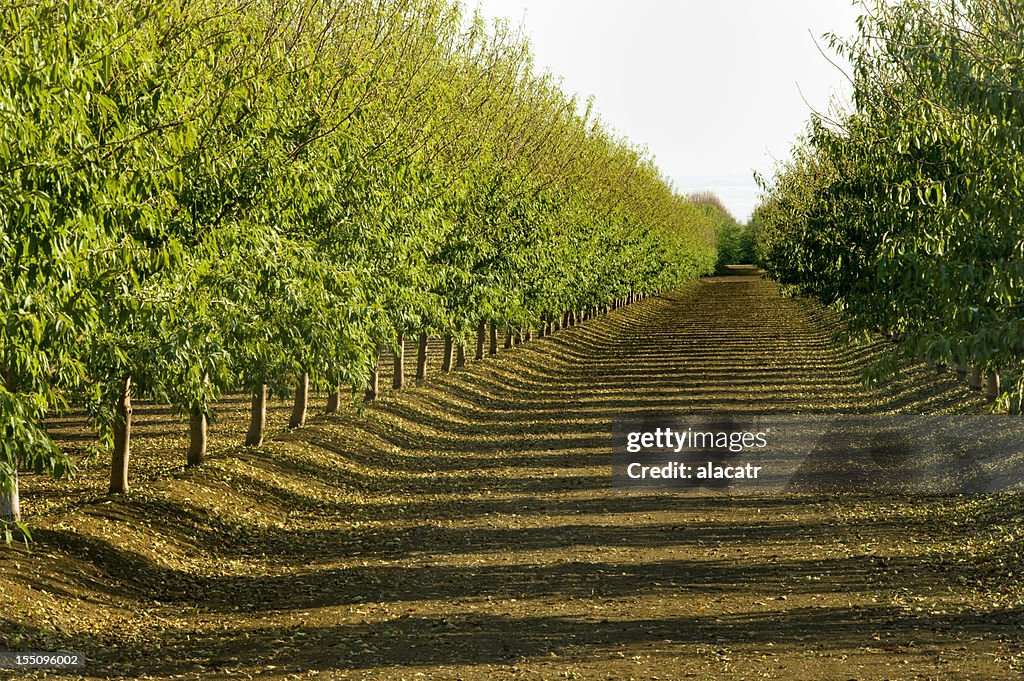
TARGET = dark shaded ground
(466,529)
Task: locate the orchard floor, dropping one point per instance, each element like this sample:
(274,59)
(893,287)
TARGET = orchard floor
(466,529)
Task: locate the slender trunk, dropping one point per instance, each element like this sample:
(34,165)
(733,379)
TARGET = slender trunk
(542,330)
(527,335)
(334,400)
(196,436)
(992,386)
(299,409)
(10,505)
(421,357)
(373,389)
(975,383)
(460,355)
(508,337)
(258,418)
(398,382)
(961,372)
(493,349)
(481,338)
(446,362)
(122,439)
(197,426)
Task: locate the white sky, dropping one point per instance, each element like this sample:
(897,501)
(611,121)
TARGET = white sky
(711,87)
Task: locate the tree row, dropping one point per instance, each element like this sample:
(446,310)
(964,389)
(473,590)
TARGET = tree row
(907,210)
(266,195)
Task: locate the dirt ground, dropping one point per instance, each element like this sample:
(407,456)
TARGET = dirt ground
(466,529)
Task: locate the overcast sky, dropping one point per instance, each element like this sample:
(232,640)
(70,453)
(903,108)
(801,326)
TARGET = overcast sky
(714,88)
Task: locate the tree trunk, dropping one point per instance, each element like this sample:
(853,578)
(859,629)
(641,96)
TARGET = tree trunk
(508,337)
(334,400)
(446,362)
(481,338)
(542,330)
(373,389)
(992,386)
(301,405)
(493,349)
(528,335)
(122,439)
(196,436)
(940,368)
(398,382)
(460,355)
(10,505)
(975,383)
(258,418)
(421,357)
(961,372)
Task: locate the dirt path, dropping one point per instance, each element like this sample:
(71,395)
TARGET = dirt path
(465,529)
